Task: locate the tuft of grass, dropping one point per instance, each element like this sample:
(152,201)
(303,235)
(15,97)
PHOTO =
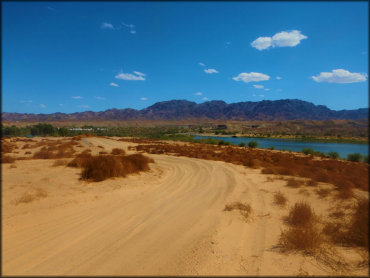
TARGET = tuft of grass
(244,209)
(280,199)
(33,196)
(117,151)
(267,171)
(311,183)
(303,233)
(301,214)
(294,183)
(323,192)
(358,232)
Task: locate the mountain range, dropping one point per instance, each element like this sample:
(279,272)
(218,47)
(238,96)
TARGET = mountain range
(266,110)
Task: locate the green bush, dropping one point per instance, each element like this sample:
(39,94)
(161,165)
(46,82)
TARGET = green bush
(333,155)
(242,144)
(252,144)
(271,148)
(308,151)
(356,157)
(366,158)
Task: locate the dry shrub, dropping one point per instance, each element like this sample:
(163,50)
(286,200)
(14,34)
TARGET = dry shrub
(13,166)
(294,183)
(33,196)
(280,199)
(103,152)
(100,147)
(60,162)
(337,214)
(301,214)
(303,233)
(244,209)
(7,147)
(80,159)
(99,168)
(56,149)
(117,151)
(345,190)
(358,232)
(323,192)
(28,152)
(311,183)
(267,171)
(7,159)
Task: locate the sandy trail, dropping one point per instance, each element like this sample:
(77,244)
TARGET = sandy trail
(166,222)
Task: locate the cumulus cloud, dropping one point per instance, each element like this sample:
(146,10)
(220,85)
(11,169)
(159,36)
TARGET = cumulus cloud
(129,76)
(258,86)
(251,77)
(210,71)
(113,84)
(143,98)
(107,25)
(198,94)
(340,76)
(278,77)
(42,105)
(100,98)
(281,39)
(202,64)
(77,97)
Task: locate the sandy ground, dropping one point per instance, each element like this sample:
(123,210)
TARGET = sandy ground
(169,221)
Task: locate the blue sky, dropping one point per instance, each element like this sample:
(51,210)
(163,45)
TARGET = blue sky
(79,56)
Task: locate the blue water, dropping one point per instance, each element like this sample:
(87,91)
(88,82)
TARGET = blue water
(296,146)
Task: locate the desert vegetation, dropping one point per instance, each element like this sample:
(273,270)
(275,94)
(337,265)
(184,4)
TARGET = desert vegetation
(243,208)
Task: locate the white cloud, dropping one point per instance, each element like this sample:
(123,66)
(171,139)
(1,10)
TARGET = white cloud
(267,89)
(133,32)
(77,97)
(50,8)
(251,77)
(210,71)
(143,98)
(278,77)
(228,43)
(258,86)
(113,84)
(129,76)
(42,105)
(205,98)
(202,64)
(340,76)
(281,39)
(139,73)
(25,101)
(261,95)
(128,25)
(100,98)
(198,94)
(279,90)
(107,25)
(262,43)
(84,106)
(61,104)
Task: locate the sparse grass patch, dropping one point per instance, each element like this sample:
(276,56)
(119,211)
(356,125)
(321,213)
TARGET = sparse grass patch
(311,183)
(301,214)
(323,192)
(33,196)
(294,183)
(280,199)
(60,162)
(117,151)
(244,209)
(7,159)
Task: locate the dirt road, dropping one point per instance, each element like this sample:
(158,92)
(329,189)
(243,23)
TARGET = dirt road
(170,221)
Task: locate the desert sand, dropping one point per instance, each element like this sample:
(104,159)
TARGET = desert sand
(168,221)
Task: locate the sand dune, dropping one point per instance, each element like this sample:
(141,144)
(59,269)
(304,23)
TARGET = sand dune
(169,221)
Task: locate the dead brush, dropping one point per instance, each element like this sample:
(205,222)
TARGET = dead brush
(294,183)
(55,150)
(312,183)
(117,151)
(7,147)
(7,159)
(280,199)
(323,192)
(244,209)
(102,167)
(358,232)
(29,197)
(303,233)
(80,159)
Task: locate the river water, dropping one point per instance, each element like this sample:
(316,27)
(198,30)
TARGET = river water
(296,145)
